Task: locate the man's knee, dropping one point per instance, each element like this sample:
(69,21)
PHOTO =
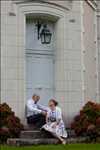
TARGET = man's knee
(30,120)
(42,117)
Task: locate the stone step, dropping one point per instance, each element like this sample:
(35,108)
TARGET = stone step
(27,142)
(30,127)
(42,134)
(43,141)
(71,133)
(35,134)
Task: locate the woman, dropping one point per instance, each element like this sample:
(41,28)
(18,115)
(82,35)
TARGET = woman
(54,123)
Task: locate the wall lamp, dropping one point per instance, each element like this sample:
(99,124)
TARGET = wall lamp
(43,33)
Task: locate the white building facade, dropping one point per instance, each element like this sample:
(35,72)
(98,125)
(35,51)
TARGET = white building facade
(67,68)
(98,46)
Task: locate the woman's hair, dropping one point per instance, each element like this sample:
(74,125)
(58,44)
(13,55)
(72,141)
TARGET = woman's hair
(54,101)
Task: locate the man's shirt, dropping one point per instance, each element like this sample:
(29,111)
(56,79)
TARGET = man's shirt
(33,108)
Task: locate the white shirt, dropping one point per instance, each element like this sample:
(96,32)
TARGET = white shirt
(32,108)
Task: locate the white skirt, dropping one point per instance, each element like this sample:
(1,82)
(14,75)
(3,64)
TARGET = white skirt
(59,130)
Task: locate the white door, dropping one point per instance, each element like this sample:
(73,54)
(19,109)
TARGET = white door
(40,76)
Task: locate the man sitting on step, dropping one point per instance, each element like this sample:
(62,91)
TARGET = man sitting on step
(35,113)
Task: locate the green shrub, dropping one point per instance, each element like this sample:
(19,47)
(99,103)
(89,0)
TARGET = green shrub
(10,125)
(87,122)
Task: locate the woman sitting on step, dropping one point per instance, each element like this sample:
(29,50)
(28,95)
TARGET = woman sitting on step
(54,123)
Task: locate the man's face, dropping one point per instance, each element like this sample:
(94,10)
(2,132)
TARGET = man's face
(36,98)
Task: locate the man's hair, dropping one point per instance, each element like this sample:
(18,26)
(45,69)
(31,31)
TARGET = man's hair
(35,95)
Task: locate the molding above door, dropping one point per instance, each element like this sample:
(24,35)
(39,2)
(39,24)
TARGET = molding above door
(62,4)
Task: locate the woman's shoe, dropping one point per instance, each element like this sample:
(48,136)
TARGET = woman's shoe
(64,142)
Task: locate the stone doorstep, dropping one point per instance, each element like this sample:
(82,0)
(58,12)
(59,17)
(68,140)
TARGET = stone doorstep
(70,131)
(30,134)
(37,137)
(35,134)
(23,142)
(30,127)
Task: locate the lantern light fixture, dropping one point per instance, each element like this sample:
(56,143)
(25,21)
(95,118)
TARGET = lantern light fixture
(43,33)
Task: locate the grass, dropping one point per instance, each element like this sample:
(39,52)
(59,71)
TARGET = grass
(55,147)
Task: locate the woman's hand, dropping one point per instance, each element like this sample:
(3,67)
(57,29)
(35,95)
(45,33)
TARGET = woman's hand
(44,113)
(54,125)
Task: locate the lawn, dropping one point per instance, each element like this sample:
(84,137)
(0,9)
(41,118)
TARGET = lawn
(56,147)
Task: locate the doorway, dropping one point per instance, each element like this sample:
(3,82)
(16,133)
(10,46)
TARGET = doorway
(39,64)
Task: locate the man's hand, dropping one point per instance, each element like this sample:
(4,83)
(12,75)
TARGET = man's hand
(44,113)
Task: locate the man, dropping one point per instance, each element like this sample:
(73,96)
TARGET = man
(35,113)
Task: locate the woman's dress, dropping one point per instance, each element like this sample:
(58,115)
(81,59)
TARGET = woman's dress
(52,117)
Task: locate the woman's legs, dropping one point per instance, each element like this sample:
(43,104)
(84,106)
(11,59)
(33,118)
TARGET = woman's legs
(57,136)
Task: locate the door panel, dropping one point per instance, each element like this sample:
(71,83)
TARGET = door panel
(40,76)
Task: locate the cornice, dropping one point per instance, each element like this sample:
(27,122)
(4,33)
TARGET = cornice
(42,1)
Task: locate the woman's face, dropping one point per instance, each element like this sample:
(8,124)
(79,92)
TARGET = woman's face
(52,105)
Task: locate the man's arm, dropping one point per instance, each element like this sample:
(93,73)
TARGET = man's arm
(31,108)
(43,108)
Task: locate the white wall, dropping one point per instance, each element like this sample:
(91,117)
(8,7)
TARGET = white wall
(12,60)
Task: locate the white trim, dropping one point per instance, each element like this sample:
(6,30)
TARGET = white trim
(82,53)
(43,2)
(98,39)
(45,9)
(92,3)
(97,59)
(98,13)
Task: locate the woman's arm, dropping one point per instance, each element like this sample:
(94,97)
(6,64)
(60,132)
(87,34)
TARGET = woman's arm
(47,117)
(55,124)
(58,115)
